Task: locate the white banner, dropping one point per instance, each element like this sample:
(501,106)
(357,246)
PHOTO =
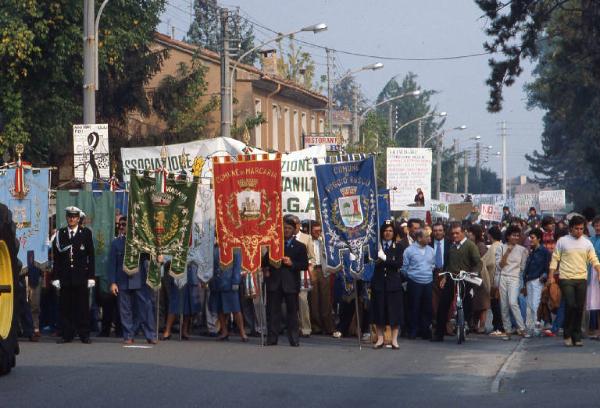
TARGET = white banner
(495,199)
(90,152)
(439,209)
(552,200)
(409,178)
(523,202)
(452,198)
(297,173)
(203,234)
(490,212)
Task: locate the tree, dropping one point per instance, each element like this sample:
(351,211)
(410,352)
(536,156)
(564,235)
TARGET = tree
(41,69)
(205,30)
(407,109)
(518,28)
(343,94)
(297,65)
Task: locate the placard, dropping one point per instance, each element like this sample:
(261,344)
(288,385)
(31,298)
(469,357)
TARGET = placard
(409,178)
(523,202)
(490,212)
(90,152)
(552,200)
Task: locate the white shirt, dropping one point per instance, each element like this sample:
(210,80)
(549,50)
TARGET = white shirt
(317,248)
(74,231)
(460,244)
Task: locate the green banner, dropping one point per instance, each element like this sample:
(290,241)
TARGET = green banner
(159,224)
(99,209)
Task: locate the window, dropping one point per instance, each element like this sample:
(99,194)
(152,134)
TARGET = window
(295,132)
(275,127)
(286,129)
(258,128)
(313,124)
(321,125)
(303,124)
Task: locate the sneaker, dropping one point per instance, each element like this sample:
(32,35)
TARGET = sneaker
(527,335)
(496,333)
(366,337)
(578,343)
(568,342)
(337,334)
(548,333)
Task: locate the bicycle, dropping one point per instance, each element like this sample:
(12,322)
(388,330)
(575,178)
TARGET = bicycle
(459,280)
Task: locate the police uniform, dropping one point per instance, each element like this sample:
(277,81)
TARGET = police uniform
(73,251)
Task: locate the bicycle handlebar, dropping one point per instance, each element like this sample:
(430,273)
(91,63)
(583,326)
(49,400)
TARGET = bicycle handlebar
(471,277)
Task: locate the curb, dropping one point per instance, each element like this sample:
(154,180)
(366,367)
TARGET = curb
(495,388)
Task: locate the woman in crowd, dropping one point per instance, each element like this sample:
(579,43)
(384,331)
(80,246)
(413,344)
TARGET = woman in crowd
(481,298)
(593,290)
(488,273)
(386,286)
(224,294)
(184,301)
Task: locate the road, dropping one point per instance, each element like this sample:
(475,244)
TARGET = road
(323,372)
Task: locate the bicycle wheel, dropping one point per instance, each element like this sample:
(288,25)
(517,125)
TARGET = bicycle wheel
(460,325)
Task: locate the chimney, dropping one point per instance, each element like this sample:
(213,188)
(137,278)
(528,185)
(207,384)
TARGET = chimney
(269,62)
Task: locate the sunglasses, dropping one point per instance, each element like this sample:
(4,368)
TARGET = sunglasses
(122,224)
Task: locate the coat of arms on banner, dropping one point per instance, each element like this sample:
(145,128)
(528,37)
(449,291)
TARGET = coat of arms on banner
(248,208)
(347,192)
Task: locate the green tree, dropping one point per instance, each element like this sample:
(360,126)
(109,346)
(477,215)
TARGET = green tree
(343,94)
(407,109)
(297,65)
(205,30)
(41,70)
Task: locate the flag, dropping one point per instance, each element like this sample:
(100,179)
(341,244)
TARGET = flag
(99,209)
(248,208)
(159,223)
(347,192)
(203,234)
(29,206)
(383,206)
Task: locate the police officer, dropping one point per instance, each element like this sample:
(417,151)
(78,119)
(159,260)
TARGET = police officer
(73,250)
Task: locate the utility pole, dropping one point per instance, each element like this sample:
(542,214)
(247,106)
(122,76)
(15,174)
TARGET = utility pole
(466,156)
(225,79)
(478,160)
(504,175)
(420,134)
(390,122)
(438,165)
(89,69)
(329,94)
(455,165)
(355,124)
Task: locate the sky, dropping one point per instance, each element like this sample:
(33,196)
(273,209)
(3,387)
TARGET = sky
(408,29)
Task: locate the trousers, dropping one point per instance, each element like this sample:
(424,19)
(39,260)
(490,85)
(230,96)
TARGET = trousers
(509,302)
(419,309)
(573,292)
(274,299)
(304,313)
(534,295)
(320,302)
(74,311)
(137,312)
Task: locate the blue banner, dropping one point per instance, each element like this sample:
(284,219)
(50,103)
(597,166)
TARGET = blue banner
(30,213)
(347,192)
(383,206)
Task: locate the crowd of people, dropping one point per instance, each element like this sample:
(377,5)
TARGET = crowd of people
(539,277)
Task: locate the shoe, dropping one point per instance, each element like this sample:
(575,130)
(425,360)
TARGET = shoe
(395,347)
(526,335)
(151,341)
(294,344)
(63,341)
(271,343)
(245,339)
(164,338)
(37,333)
(437,339)
(34,339)
(506,337)
(548,333)
(183,337)
(103,334)
(223,338)
(128,342)
(306,336)
(378,346)
(366,337)
(337,334)
(411,337)
(86,340)
(578,343)
(568,342)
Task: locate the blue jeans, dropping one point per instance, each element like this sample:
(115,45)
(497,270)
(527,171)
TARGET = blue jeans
(419,308)
(560,317)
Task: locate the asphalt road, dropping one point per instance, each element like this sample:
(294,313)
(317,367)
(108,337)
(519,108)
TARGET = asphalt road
(323,372)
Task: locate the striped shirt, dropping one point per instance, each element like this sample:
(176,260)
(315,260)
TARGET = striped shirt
(574,256)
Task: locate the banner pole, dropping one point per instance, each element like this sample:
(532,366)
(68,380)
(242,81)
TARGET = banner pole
(358,333)
(157,311)
(181,294)
(262,312)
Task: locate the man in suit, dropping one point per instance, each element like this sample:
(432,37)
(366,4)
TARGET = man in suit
(320,297)
(463,255)
(303,307)
(283,283)
(440,246)
(73,252)
(133,295)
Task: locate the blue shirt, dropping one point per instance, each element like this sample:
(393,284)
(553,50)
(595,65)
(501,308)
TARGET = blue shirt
(418,263)
(538,264)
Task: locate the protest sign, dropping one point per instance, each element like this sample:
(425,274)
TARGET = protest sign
(90,152)
(552,200)
(490,212)
(409,178)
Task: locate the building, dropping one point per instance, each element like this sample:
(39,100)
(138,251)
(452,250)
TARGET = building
(289,110)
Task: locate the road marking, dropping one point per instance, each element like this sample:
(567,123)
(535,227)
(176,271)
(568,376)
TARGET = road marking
(504,369)
(139,347)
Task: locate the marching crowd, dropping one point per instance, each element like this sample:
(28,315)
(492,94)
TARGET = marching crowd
(539,277)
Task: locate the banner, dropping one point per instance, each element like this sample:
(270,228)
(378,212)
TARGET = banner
(203,234)
(452,198)
(552,200)
(495,199)
(248,208)
(159,223)
(347,194)
(99,209)
(490,212)
(409,178)
(297,174)
(523,202)
(439,209)
(90,149)
(29,213)
(383,206)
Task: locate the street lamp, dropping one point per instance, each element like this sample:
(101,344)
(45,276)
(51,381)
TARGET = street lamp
(438,157)
(315,28)
(411,93)
(410,122)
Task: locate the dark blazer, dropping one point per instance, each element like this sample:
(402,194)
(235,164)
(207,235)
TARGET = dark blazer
(285,277)
(387,275)
(75,265)
(115,271)
(447,246)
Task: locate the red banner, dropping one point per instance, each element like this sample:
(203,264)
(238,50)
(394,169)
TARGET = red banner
(248,208)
